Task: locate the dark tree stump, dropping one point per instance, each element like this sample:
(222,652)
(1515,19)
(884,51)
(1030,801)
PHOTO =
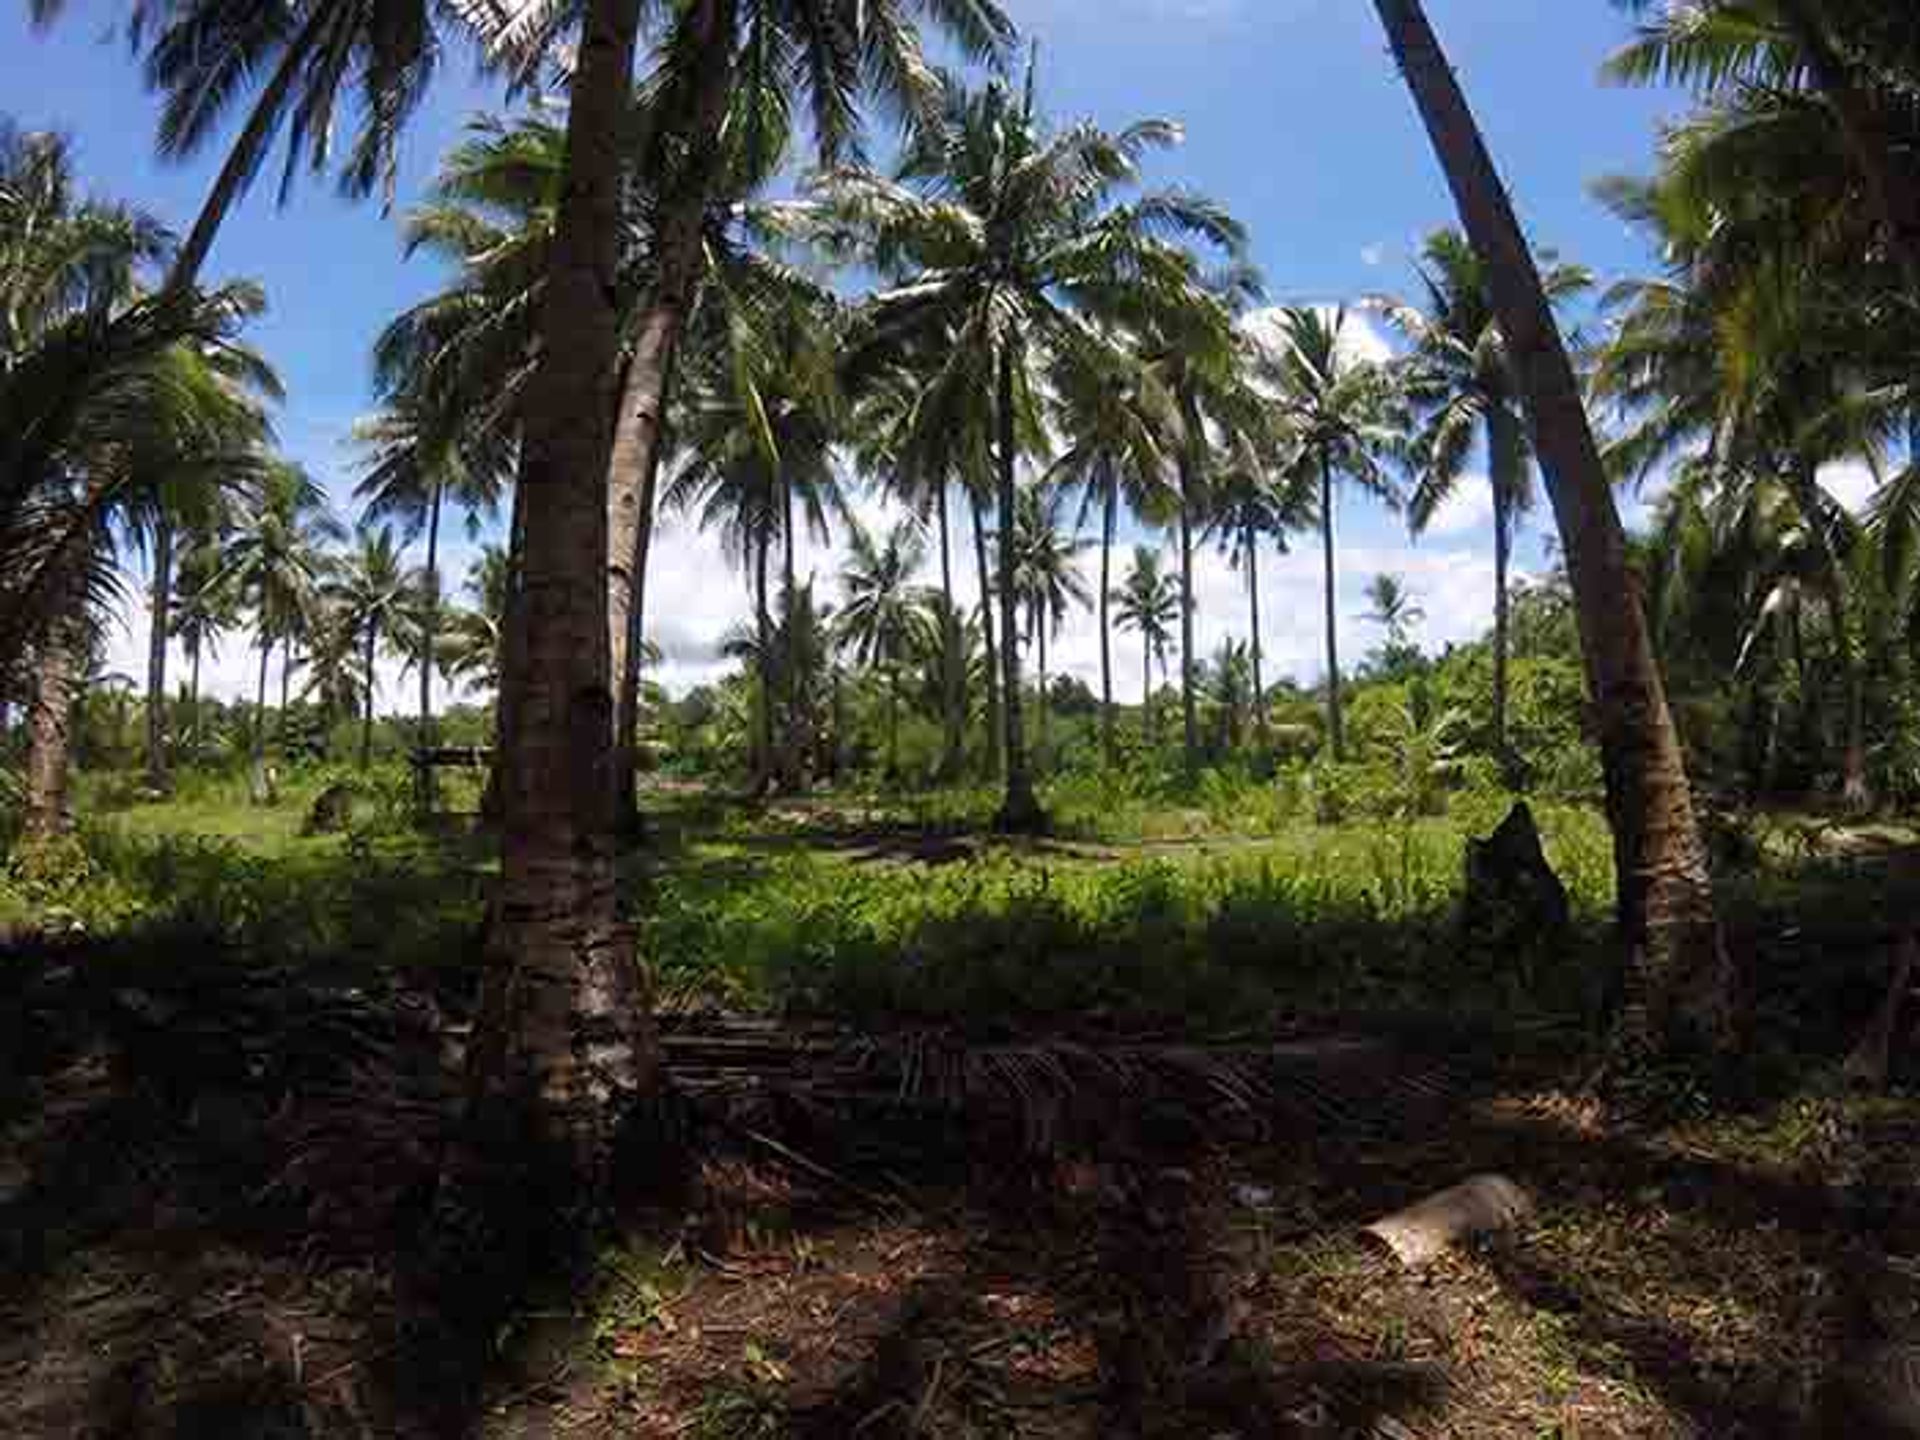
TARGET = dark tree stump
(1513,898)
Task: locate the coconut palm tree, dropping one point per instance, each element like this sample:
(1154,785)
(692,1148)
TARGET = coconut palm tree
(368,591)
(884,618)
(472,654)
(1464,390)
(1392,606)
(1006,244)
(1344,415)
(1679,976)
(202,611)
(1149,602)
(1259,498)
(276,560)
(1046,577)
(1116,421)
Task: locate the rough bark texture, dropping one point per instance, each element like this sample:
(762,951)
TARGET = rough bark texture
(56,665)
(627,738)
(1020,809)
(563,1041)
(159,615)
(1336,734)
(1678,990)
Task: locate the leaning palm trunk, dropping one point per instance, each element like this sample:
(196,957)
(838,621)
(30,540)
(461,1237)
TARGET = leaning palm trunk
(986,632)
(159,615)
(1019,809)
(50,728)
(563,1039)
(639,434)
(1109,746)
(628,658)
(1336,737)
(1507,456)
(952,661)
(1678,978)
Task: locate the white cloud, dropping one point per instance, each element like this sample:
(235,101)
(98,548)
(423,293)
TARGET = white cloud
(1374,255)
(1467,511)
(1362,338)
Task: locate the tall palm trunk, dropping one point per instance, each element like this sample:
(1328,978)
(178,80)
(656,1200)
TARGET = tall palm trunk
(1678,978)
(1505,462)
(513,645)
(1109,746)
(763,631)
(159,614)
(1020,809)
(627,658)
(986,632)
(952,663)
(1040,632)
(790,762)
(193,690)
(1189,699)
(1253,620)
(56,675)
(893,723)
(1840,613)
(646,380)
(1148,730)
(1336,735)
(563,1038)
(366,711)
(258,791)
(429,633)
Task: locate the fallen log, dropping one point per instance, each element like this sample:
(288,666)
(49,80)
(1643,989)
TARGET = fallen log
(1424,1231)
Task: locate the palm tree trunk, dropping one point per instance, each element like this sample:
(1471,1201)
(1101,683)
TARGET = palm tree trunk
(1507,456)
(429,633)
(243,160)
(1040,630)
(159,614)
(1853,766)
(1147,727)
(953,663)
(763,628)
(513,645)
(639,435)
(257,788)
(1336,737)
(790,691)
(629,657)
(563,1038)
(1108,744)
(1253,619)
(193,691)
(1189,700)
(1678,988)
(366,715)
(986,632)
(1020,810)
(893,724)
(56,664)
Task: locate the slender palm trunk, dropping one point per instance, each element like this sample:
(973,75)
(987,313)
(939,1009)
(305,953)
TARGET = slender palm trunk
(893,723)
(1253,619)
(366,714)
(1678,988)
(763,630)
(1040,631)
(1189,698)
(159,617)
(986,632)
(193,691)
(563,1038)
(1507,463)
(1147,727)
(639,433)
(56,676)
(1020,809)
(1109,746)
(513,644)
(1846,649)
(953,663)
(790,760)
(1336,737)
(429,634)
(260,702)
(630,659)
(286,685)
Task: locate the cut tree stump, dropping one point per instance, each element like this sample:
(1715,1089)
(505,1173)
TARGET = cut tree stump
(1423,1232)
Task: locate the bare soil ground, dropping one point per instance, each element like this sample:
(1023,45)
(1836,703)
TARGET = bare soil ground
(213,1197)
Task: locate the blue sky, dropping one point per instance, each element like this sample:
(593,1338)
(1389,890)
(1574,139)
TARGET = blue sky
(1295,119)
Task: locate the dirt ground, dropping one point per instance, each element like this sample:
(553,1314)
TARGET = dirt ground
(212,1201)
